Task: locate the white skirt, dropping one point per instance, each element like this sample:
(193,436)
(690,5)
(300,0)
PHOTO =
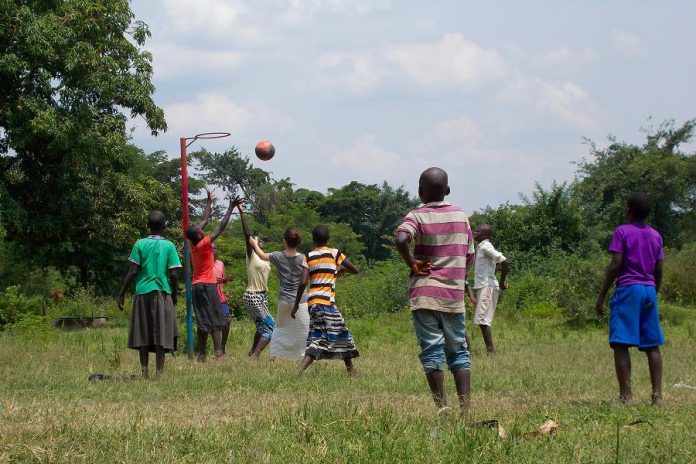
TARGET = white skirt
(290,335)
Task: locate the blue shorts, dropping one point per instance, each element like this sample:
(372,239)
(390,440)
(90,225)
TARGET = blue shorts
(441,338)
(634,320)
(225,308)
(226,312)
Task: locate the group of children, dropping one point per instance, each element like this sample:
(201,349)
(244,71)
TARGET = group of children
(310,326)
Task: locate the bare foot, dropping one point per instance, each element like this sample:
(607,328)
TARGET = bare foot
(354,373)
(202,359)
(657,399)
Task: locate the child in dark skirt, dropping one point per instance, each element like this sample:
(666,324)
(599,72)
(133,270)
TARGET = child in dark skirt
(154,264)
(206,302)
(329,337)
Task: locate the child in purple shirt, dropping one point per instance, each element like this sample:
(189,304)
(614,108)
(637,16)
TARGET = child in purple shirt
(636,266)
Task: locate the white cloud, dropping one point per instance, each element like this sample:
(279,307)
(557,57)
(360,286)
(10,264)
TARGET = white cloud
(568,101)
(339,71)
(626,43)
(208,112)
(303,10)
(451,61)
(196,15)
(462,131)
(563,57)
(174,61)
(223,20)
(366,161)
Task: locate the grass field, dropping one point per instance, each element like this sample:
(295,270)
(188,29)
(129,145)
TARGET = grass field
(239,411)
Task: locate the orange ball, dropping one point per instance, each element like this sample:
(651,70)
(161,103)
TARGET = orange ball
(264,150)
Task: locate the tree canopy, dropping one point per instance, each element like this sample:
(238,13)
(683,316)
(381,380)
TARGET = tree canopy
(70,71)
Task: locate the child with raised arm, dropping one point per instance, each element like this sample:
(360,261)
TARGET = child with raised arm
(154,263)
(290,333)
(329,337)
(636,267)
(206,301)
(488,259)
(444,250)
(256,293)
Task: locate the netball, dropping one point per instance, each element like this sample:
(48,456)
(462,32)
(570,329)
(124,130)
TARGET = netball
(264,150)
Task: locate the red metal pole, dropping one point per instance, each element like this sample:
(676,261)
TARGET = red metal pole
(184,184)
(187,249)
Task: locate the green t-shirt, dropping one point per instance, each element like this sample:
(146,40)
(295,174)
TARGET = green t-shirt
(154,256)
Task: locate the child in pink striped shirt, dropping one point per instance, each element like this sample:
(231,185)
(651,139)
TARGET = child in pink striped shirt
(444,250)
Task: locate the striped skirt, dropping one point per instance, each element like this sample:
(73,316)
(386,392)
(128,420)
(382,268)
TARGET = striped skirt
(329,337)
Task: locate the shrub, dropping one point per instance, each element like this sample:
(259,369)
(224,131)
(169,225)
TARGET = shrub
(678,281)
(526,290)
(379,288)
(579,280)
(675,315)
(14,305)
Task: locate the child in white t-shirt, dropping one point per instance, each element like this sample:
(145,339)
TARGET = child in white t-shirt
(485,283)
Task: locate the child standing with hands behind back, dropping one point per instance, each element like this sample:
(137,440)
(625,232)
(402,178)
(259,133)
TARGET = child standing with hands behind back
(444,250)
(636,266)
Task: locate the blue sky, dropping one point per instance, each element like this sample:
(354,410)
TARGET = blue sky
(498,93)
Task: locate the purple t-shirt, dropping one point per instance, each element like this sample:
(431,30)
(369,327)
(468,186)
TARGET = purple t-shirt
(641,246)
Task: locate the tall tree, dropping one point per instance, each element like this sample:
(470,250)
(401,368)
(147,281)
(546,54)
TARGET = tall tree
(70,70)
(659,167)
(373,212)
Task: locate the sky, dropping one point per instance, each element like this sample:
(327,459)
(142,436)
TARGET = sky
(500,94)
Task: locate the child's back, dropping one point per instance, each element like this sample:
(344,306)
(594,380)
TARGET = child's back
(323,263)
(641,246)
(636,268)
(442,237)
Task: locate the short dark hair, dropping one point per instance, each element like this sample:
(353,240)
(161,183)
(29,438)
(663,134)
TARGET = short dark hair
(156,220)
(192,233)
(320,234)
(292,237)
(639,206)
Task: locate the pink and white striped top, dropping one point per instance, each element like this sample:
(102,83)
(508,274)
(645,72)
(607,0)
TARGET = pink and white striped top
(442,236)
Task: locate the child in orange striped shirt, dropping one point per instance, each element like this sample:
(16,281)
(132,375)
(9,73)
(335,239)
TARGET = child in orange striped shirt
(329,337)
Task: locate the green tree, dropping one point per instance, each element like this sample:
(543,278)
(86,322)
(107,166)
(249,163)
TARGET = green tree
(70,71)
(372,211)
(547,221)
(658,167)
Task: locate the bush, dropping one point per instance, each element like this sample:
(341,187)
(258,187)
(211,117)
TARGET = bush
(579,280)
(678,284)
(14,305)
(527,290)
(31,324)
(675,315)
(379,288)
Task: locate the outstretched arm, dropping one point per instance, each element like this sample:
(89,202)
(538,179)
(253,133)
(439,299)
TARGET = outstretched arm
(226,218)
(418,267)
(257,249)
(207,210)
(245,229)
(300,291)
(609,278)
(127,282)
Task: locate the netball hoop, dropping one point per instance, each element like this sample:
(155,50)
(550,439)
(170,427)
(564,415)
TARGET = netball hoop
(187,246)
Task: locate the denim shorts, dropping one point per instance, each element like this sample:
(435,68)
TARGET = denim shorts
(441,338)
